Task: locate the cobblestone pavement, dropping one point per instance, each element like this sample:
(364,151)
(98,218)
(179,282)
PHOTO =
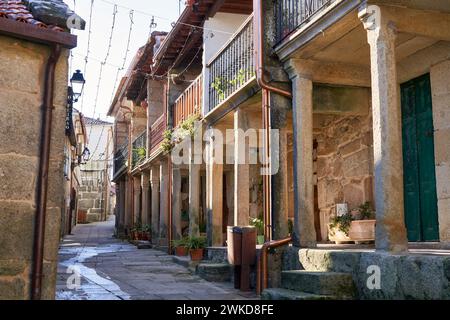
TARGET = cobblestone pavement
(112,269)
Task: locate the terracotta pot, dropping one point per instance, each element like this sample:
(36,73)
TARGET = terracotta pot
(181,251)
(145,236)
(362,230)
(196,254)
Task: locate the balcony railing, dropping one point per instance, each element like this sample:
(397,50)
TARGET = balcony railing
(233,66)
(189,102)
(121,158)
(139,149)
(291,14)
(157,133)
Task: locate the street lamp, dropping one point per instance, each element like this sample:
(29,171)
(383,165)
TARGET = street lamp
(86,154)
(77,83)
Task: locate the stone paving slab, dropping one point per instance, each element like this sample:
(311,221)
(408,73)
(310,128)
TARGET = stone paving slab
(111,269)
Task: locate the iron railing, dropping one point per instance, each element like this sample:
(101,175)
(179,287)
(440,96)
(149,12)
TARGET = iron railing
(291,14)
(121,158)
(189,102)
(157,133)
(233,66)
(139,149)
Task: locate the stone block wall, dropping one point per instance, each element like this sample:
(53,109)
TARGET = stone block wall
(440,89)
(22,67)
(344,162)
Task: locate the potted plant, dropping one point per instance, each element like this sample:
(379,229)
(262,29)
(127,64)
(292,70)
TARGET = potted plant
(363,226)
(338,228)
(196,246)
(358,225)
(137,231)
(258,223)
(146,231)
(180,246)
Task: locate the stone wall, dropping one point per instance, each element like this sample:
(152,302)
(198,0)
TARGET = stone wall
(344,163)
(440,88)
(408,276)
(22,66)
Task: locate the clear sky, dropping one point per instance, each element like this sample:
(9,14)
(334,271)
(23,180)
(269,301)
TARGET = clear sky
(165,12)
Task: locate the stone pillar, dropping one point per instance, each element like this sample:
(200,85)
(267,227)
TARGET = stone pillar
(154,181)
(304,234)
(176,202)
(387,135)
(194,192)
(280,190)
(127,204)
(136,199)
(145,205)
(214,190)
(241,170)
(163,202)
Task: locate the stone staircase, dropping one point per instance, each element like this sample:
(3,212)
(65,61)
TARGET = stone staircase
(312,285)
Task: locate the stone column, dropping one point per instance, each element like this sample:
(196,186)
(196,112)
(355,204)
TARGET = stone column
(136,199)
(176,202)
(280,190)
(241,170)
(145,184)
(387,131)
(214,178)
(194,195)
(128,202)
(154,181)
(163,205)
(304,234)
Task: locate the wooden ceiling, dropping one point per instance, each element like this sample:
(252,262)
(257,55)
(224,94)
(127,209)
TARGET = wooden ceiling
(184,42)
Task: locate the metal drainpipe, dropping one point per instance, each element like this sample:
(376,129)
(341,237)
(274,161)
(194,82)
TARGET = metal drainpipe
(266,90)
(42,183)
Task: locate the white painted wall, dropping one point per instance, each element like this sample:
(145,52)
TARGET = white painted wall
(98,141)
(214,40)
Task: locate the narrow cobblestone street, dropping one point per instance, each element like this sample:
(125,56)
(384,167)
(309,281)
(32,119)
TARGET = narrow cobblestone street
(112,269)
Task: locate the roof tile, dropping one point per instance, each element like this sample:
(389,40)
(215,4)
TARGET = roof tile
(16,10)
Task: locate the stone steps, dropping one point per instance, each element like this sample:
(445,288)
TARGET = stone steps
(286,294)
(217,272)
(336,284)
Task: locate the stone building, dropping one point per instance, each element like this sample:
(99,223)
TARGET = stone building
(358,96)
(75,144)
(33,86)
(94,202)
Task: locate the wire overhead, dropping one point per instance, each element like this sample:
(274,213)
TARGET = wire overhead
(130,30)
(86,58)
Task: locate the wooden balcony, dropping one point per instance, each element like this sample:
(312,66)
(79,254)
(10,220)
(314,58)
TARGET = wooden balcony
(189,103)
(232,67)
(157,133)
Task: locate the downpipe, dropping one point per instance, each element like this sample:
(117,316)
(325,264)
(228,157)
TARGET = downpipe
(42,179)
(267,89)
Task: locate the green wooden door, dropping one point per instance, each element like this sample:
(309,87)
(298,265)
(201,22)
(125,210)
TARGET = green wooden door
(418,161)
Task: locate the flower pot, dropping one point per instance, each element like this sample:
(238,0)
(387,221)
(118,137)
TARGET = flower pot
(196,254)
(181,251)
(338,236)
(145,236)
(362,231)
(260,239)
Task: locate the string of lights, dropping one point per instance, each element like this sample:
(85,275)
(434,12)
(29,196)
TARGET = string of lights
(86,59)
(149,14)
(102,64)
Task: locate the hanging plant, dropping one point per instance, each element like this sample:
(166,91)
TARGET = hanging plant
(167,144)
